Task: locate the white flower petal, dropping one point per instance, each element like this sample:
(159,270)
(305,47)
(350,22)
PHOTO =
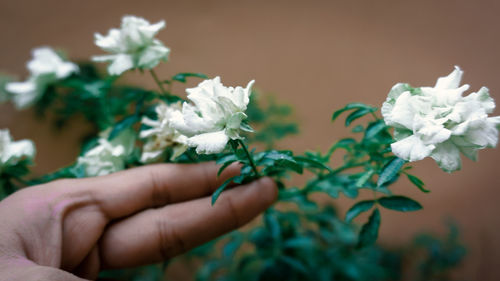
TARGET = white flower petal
(411,149)
(120,64)
(451,81)
(447,156)
(209,143)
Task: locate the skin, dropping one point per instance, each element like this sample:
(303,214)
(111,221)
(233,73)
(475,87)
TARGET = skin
(69,230)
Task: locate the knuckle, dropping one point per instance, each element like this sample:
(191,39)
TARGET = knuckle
(171,242)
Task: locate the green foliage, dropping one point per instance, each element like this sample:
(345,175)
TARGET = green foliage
(369,231)
(308,242)
(399,203)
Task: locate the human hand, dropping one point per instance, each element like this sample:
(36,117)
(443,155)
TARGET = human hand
(70,229)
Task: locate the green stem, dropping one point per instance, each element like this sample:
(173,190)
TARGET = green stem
(374,116)
(250,158)
(158,82)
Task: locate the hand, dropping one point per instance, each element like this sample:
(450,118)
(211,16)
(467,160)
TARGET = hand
(76,227)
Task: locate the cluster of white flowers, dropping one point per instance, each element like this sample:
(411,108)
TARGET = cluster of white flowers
(161,135)
(132,46)
(45,68)
(214,117)
(13,151)
(439,122)
(107,156)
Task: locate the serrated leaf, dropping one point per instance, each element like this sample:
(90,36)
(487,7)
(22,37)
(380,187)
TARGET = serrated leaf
(399,203)
(358,114)
(390,171)
(350,106)
(358,208)
(369,231)
(417,182)
(181,77)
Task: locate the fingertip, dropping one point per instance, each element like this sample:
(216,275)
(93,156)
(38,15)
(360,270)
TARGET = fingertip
(268,190)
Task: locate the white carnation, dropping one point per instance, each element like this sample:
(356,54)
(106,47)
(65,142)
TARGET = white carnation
(107,156)
(439,122)
(214,115)
(13,151)
(132,46)
(45,68)
(161,135)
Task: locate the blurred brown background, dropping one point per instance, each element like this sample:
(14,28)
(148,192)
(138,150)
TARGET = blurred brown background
(315,55)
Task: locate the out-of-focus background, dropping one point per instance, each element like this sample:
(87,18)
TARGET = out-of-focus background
(314,55)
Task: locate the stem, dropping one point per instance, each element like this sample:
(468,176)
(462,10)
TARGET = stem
(155,77)
(250,158)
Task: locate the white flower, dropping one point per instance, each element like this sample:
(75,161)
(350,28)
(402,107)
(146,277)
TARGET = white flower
(439,122)
(161,135)
(132,46)
(4,80)
(13,151)
(214,117)
(107,156)
(45,68)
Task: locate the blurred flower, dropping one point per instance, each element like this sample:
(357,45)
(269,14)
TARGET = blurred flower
(214,117)
(161,135)
(4,80)
(13,151)
(132,46)
(439,122)
(45,68)
(107,156)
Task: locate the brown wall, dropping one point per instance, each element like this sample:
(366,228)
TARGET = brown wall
(316,55)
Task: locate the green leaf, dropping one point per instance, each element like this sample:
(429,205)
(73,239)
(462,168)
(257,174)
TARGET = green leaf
(349,107)
(364,178)
(284,159)
(369,231)
(358,208)
(417,182)
(374,128)
(181,77)
(246,127)
(390,171)
(311,163)
(223,186)
(358,114)
(399,203)
(358,129)
(125,123)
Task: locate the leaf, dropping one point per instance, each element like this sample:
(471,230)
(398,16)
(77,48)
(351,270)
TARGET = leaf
(358,114)
(222,187)
(417,182)
(284,159)
(358,208)
(311,163)
(364,178)
(358,129)
(246,127)
(369,231)
(294,263)
(125,123)
(350,106)
(374,128)
(181,77)
(399,203)
(390,171)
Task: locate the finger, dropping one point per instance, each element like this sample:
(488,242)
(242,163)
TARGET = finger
(158,234)
(38,272)
(126,192)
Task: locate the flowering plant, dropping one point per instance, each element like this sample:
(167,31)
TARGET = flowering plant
(136,126)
